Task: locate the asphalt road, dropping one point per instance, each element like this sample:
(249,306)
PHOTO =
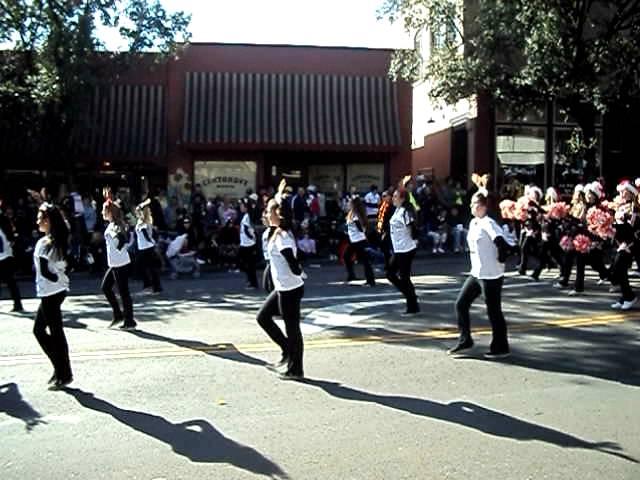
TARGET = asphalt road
(187,395)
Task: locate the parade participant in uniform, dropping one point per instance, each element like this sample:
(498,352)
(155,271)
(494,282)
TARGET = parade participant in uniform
(488,251)
(147,247)
(356,228)
(52,284)
(118,261)
(403,233)
(626,220)
(285,299)
(570,227)
(382,227)
(595,256)
(7,262)
(530,234)
(248,251)
(267,282)
(550,250)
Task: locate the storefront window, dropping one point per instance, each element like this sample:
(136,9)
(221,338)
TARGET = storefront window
(225,178)
(363,175)
(521,153)
(562,117)
(569,168)
(327,178)
(532,115)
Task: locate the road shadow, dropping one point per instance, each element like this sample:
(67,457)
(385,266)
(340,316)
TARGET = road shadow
(12,403)
(471,416)
(196,439)
(226,351)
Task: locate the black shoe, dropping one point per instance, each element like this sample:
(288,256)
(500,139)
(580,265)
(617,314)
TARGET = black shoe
(284,360)
(461,347)
(129,326)
(60,384)
(115,322)
(289,375)
(497,355)
(53,379)
(17,309)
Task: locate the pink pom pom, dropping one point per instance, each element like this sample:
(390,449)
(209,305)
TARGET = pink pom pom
(582,243)
(558,211)
(566,243)
(508,209)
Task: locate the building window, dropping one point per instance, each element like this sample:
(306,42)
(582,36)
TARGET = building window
(568,169)
(520,151)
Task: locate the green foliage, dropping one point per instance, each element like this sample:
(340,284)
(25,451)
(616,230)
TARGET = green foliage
(57,58)
(582,53)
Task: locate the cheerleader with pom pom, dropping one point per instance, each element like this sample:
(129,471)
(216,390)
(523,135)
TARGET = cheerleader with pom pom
(550,252)
(626,221)
(529,210)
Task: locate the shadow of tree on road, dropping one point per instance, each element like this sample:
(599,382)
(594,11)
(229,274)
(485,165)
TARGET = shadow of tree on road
(226,351)
(12,403)
(471,416)
(196,440)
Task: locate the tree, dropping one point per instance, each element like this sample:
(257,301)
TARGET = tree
(57,58)
(581,53)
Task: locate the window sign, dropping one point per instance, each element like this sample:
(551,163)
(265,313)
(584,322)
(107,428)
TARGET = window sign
(363,175)
(225,178)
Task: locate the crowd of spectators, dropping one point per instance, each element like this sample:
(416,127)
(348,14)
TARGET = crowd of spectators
(209,227)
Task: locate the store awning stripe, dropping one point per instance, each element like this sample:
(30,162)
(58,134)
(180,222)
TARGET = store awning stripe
(124,121)
(290,109)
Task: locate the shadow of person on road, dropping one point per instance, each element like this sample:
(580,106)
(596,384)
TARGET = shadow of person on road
(227,351)
(12,403)
(471,416)
(196,440)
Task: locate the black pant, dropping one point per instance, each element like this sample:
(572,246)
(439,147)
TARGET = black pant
(119,276)
(286,304)
(595,258)
(491,290)
(150,269)
(399,274)
(550,252)
(54,343)
(528,245)
(387,250)
(620,274)
(7,275)
(248,264)
(267,281)
(361,255)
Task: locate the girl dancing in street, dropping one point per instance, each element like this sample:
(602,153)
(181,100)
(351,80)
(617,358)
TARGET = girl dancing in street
(147,247)
(356,225)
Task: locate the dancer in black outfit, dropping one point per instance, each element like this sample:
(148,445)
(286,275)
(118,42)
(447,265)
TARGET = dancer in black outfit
(52,284)
(626,220)
(119,262)
(403,237)
(356,228)
(531,233)
(488,250)
(147,248)
(7,262)
(288,281)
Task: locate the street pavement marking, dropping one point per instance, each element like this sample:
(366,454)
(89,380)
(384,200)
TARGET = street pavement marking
(227,349)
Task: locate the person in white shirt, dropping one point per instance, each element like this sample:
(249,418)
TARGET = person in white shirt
(372,201)
(118,261)
(488,250)
(356,227)
(288,281)
(267,282)
(248,251)
(7,265)
(52,284)
(403,233)
(147,247)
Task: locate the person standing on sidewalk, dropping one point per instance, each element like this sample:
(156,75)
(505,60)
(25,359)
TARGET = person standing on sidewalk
(488,251)
(248,251)
(285,299)
(118,261)
(147,247)
(356,228)
(7,262)
(52,284)
(403,239)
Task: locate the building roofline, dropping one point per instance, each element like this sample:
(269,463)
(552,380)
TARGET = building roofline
(289,45)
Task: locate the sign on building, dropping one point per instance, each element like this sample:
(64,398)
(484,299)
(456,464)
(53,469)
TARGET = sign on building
(225,178)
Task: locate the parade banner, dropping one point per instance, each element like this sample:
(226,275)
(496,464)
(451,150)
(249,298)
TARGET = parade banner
(225,178)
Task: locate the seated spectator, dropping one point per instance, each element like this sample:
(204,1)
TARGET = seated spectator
(457,230)
(438,232)
(182,258)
